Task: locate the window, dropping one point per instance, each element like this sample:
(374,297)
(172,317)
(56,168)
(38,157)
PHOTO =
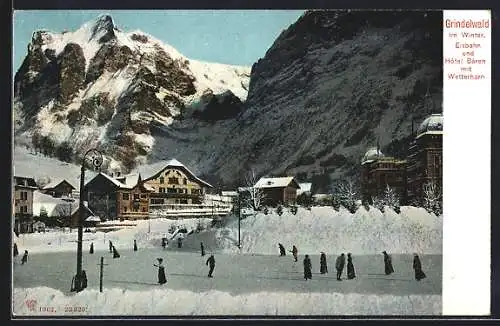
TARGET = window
(157,201)
(162,180)
(24,195)
(171,190)
(136,196)
(185,181)
(162,190)
(144,209)
(24,209)
(184,201)
(125,196)
(144,196)
(125,209)
(173,181)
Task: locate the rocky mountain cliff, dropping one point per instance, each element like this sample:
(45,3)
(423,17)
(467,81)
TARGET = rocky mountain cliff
(330,86)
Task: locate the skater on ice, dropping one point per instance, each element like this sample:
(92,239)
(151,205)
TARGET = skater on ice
(323,269)
(163,242)
(110,246)
(202,249)
(339,265)
(388,263)
(211,262)
(84,279)
(350,268)
(16,252)
(115,253)
(307,268)
(294,252)
(161,271)
(179,242)
(282,249)
(417,266)
(91,251)
(24,260)
(135,245)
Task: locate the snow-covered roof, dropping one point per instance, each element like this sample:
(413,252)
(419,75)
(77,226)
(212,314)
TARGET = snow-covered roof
(433,124)
(229,193)
(167,164)
(55,183)
(129,180)
(274,182)
(304,187)
(115,182)
(371,155)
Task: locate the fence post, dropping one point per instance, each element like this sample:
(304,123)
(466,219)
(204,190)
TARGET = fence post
(101,273)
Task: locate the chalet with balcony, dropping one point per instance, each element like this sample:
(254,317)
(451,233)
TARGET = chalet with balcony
(24,188)
(175,184)
(281,190)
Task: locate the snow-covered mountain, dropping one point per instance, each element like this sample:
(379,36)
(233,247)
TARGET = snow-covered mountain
(102,86)
(330,86)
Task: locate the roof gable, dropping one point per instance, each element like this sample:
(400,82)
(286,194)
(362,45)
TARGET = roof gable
(56,183)
(25,181)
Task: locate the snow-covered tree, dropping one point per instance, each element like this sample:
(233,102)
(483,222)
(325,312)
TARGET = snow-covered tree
(347,195)
(432,198)
(389,198)
(279,210)
(256,195)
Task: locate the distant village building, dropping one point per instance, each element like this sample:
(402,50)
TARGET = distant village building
(24,188)
(378,172)
(425,159)
(59,188)
(280,190)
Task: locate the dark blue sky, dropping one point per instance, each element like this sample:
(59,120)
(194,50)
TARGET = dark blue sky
(238,37)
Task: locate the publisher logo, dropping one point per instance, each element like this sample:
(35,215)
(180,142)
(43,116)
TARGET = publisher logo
(31,304)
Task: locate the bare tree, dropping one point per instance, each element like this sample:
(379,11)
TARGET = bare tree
(346,192)
(256,195)
(432,198)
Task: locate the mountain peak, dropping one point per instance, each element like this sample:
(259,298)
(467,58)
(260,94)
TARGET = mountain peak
(102,28)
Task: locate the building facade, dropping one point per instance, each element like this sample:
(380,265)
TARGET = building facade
(61,188)
(378,172)
(23,203)
(175,184)
(425,158)
(281,190)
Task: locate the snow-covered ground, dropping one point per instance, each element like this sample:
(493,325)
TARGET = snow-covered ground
(252,280)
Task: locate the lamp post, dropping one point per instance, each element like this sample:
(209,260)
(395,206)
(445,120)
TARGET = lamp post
(239,220)
(96,158)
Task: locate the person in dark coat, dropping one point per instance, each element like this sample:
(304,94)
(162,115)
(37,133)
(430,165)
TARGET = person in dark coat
(339,265)
(110,246)
(202,249)
(388,263)
(350,268)
(135,245)
(24,260)
(84,279)
(115,253)
(16,252)
(294,252)
(282,249)
(211,262)
(161,271)
(163,242)
(323,269)
(91,251)
(179,242)
(417,266)
(307,268)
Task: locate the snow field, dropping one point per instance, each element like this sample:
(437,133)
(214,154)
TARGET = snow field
(178,302)
(324,229)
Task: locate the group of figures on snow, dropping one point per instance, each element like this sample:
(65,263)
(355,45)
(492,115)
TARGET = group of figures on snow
(340,264)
